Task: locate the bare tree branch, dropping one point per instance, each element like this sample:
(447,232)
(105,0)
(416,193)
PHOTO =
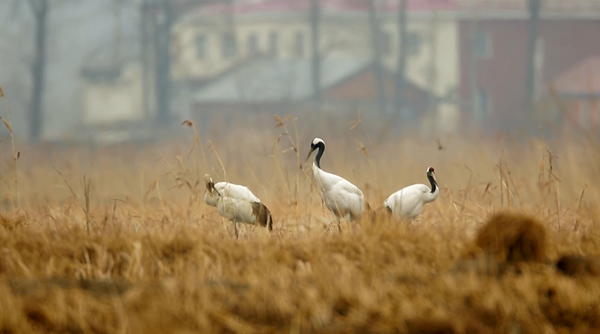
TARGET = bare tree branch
(16,6)
(534,7)
(377,56)
(400,78)
(35,6)
(315,13)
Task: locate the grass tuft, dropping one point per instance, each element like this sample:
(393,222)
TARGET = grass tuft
(511,245)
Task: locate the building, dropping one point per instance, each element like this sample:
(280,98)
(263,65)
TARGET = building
(218,37)
(576,92)
(267,86)
(113,104)
(493,53)
(120,78)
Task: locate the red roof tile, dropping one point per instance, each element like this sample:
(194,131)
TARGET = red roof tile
(285,6)
(581,79)
(547,5)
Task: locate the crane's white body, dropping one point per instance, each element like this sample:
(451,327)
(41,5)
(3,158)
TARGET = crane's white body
(408,202)
(341,197)
(230,190)
(236,210)
(237,204)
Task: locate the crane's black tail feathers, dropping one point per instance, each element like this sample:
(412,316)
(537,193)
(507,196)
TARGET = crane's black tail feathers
(263,215)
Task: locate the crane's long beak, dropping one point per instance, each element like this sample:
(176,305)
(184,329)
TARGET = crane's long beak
(210,185)
(309,153)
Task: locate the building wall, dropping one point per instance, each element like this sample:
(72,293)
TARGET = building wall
(569,43)
(564,43)
(188,65)
(113,102)
(438,51)
(346,35)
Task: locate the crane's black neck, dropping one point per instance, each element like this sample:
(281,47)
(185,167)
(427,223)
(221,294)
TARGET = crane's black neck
(432,182)
(321,147)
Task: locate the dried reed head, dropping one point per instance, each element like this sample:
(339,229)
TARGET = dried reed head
(11,223)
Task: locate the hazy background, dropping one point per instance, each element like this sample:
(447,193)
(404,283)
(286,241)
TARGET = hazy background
(119,70)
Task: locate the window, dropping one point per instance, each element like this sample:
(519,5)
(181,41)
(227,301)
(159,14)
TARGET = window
(386,43)
(252,44)
(201,46)
(414,43)
(228,45)
(299,44)
(482,46)
(483,103)
(273,43)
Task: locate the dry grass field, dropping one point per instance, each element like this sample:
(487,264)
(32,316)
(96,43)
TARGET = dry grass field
(134,249)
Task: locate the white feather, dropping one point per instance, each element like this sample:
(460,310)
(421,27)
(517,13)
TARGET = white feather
(341,197)
(237,204)
(236,210)
(408,202)
(230,190)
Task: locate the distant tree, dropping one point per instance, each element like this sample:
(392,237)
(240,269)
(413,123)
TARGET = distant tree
(473,65)
(377,55)
(40,9)
(316,59)
(163,21)
(402,54)
(14,60)
(532,36)
(158,17)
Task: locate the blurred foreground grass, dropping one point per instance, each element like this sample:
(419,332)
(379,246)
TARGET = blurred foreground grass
(156,259)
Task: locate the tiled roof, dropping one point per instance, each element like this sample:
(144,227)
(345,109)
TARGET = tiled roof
(283,6)
(581,79)
(273,80)
(521,5)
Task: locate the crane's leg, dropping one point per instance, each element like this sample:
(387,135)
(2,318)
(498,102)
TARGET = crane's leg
(236,230)
(352,221)
(339,225)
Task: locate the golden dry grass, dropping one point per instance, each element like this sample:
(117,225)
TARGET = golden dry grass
(156,259)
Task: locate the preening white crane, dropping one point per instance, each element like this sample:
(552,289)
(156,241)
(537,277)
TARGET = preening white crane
(237,203)
(227,189)
(341,197)
(408,202)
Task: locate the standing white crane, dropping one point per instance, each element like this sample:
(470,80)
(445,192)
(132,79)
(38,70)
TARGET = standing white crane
(408,202)
(341,197)
(237,203)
